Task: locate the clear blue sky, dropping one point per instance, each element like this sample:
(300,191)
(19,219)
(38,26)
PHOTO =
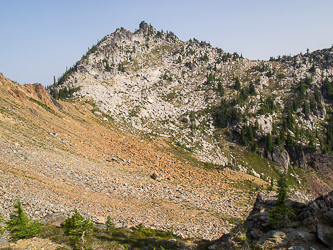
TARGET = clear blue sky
(39,38)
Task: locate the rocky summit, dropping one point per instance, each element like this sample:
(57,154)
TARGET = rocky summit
(176,136)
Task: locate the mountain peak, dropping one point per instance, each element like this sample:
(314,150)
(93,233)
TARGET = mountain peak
(154,83)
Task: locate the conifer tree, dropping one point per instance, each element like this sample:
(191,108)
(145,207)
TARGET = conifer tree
(76,226)
(269,143)
(252,90)
(19,225)
(290,141)
(237,84)
(249,133)
(109,223)
(179,59)
(220,88)
(306,110)
(282,191)
(243,140)
(2,229)
(281,215)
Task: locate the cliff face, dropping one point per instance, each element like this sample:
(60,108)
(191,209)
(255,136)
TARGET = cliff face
(322,163)
(23,93)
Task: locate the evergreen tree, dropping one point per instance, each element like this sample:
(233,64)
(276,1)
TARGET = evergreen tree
(19,225)
(2,229)
(329,135)
(313,105)
(296,133)
(109,223)
(312,69)
(311,145)
(306,110)
(281,215)
(76,226)
(252,90)
(237,84)
(280,138)
(290,121)
(269,143)
(290,141)
(317,96)
(282,191)
(274,130)
(254,146)
(220,88)
(243,140)
(210,79)
(270,104)
(249,133)
(179,59)
(256,126)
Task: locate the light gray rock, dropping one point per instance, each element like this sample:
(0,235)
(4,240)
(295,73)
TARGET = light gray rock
(296,248)
(274,239)
(281,157)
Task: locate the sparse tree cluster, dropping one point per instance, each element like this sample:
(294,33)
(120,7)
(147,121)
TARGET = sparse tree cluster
(64,93)
(20,226)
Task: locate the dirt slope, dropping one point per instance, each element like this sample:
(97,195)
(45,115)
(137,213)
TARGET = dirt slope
(56,156)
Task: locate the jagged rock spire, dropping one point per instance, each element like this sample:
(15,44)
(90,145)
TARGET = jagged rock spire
(144,26)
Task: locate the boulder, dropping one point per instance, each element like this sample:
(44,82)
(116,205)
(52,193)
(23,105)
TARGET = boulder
(328,216)
(154,176)
(325,234)
(55,219)
(274,239)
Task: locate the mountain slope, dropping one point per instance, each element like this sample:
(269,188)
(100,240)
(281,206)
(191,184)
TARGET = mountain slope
(60,155)
(215,105)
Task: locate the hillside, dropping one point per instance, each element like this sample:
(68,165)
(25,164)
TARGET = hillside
(61,155)
(220,107)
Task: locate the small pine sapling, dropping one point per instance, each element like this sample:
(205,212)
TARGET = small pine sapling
(20,226)
(76,226)
(109,224)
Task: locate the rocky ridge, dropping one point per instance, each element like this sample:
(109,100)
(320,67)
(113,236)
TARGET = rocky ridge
(150,82)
